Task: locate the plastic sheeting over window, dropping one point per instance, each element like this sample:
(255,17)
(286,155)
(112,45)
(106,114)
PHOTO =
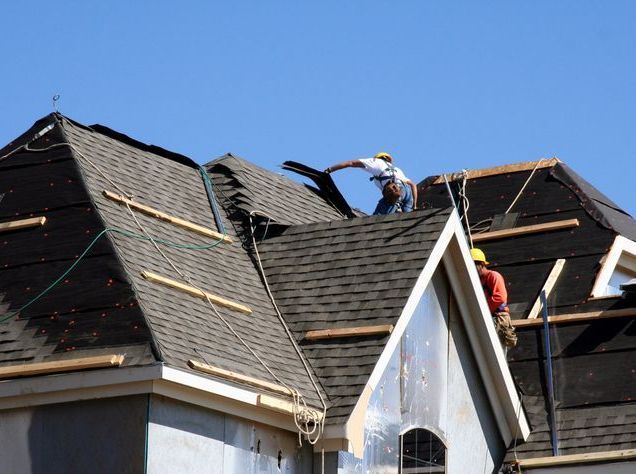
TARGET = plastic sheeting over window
(431,384)
(412,392)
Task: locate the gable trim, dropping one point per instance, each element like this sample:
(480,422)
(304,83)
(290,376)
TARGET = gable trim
(481,332)
(621,245)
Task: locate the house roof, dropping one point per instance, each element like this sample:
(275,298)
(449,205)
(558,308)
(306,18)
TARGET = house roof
(303,241)
(352,273)
(593,359)
(179,326)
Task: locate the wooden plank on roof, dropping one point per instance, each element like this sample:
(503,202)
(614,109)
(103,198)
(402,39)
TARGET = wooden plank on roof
(504,169)
(580,458)
(236,377)
(283,406)
(359,331)
(547,287)
(152,212)
(577,317)
(22,224)
(66,365)
(191,290)
(525,230)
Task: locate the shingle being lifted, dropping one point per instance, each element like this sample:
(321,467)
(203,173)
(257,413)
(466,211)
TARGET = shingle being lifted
(251,188)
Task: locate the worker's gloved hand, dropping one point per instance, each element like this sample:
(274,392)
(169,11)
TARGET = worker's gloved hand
(328,170)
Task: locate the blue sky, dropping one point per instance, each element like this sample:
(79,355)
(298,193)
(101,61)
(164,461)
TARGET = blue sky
(442,85)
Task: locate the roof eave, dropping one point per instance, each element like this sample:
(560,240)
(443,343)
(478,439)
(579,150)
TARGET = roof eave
(157,379)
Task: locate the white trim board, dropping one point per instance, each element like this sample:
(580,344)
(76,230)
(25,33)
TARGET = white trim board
(452,249)
(158,379)
(611,260)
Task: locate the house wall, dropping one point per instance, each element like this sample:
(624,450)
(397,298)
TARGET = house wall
(96,436)
(187,438)
(431,382)
(109,435)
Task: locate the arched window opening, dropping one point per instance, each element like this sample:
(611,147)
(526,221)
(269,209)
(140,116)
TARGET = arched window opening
(421,451)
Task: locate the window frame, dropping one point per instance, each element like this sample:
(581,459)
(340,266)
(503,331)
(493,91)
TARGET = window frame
(432,431)
(622,255)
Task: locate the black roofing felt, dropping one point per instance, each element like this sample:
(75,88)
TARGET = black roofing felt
(526,261)
(93,308)
(593,362)
(349,273)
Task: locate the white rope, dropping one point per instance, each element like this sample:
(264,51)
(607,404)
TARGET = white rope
(466,203)
(524,185)
(320,423)
(305,418)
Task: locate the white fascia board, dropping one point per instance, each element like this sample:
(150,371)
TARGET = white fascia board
(619,246)
(67,387)
(123,381)
(483,338)
(219,396)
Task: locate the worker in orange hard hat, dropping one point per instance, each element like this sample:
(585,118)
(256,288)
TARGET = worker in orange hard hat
(497,297)
(399,194)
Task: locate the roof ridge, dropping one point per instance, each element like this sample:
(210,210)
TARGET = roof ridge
(503,169)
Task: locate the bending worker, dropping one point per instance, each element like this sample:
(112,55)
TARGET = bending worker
(497,297)
(399,194)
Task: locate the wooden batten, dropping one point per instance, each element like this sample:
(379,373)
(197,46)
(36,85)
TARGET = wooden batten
(360,331)
(236,377)
(526,230)
(576,317)
(282,406)
(547,287)
(22,224)
(190,290)
(152,212)
(505,169)
(66,365)
(581,458)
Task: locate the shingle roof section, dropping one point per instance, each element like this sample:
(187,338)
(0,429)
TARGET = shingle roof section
(185,327)
(252,188)
(351,273)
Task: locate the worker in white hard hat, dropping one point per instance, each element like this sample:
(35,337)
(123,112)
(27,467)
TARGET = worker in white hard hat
(399,194)
(497,297)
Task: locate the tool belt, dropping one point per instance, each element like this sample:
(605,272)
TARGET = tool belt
(392,192)
(505,329)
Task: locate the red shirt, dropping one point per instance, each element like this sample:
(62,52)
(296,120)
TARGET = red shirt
(495,289)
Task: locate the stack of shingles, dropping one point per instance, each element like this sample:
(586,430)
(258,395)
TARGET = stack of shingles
(253,188)
(345,274)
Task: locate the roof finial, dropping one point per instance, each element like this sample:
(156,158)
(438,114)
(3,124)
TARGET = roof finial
(56,97)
